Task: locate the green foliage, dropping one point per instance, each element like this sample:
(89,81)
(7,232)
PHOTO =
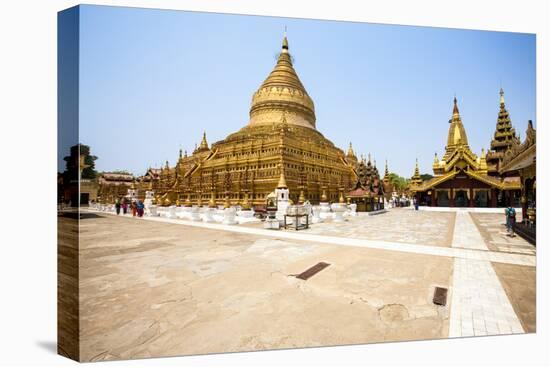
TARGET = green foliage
(398,182)
(73,162)
(426,176)
(89,160)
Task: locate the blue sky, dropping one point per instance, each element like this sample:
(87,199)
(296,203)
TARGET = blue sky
(151,81)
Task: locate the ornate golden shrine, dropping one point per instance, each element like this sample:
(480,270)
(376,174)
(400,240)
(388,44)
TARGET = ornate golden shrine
(368,192)
(244,168)
(461,175)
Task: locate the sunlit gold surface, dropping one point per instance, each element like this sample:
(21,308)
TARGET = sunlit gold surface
(279,146)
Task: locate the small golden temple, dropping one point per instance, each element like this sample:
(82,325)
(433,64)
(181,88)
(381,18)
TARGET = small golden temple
(279,147)
(461,178)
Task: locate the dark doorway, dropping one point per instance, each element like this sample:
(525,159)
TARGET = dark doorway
(461,199)
(442,198)
(481,199)
(84,198)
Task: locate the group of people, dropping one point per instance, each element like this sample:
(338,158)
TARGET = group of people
(400,202)
(136,207)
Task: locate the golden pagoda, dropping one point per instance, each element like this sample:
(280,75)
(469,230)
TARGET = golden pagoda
(461,177)
(503,138)
(416,179)
(280,145)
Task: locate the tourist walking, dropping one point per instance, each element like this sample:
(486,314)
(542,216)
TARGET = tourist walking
(117,207)
(510,213)
(124,207)
(140,208)
(134,208)
(415,202)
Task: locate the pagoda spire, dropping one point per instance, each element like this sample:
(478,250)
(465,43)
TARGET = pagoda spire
(457,134)
(504,134)
(416,179)
(455,108)
(282,180)
(351,153)
(204,143)
(285,43)
(386,178)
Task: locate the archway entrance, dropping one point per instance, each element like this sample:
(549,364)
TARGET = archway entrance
(481,199)
(442,198)
(461,199)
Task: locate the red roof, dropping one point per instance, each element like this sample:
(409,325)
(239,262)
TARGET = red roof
(359,192)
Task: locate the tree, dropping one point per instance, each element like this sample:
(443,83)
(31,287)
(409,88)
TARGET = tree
(399,183)
(89,171)
(80,155)
(426,176)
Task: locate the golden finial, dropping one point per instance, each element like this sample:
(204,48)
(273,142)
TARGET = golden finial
(455,107)
(285,42)
(180,153)
(501,96)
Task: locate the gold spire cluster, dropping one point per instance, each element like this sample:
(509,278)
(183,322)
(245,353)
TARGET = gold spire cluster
(282,91)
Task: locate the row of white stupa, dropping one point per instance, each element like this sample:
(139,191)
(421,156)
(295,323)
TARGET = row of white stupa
(236,215)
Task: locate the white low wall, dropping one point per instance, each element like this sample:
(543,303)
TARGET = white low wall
(466,209)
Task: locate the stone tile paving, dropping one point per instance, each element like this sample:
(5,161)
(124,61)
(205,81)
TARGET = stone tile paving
(492,229)
(466,234)
(479,303)
(397,225)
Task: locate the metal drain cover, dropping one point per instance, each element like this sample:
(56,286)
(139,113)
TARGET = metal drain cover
(312,271)
(440,296)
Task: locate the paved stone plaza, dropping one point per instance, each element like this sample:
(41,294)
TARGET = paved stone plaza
(159,287)
(408,226)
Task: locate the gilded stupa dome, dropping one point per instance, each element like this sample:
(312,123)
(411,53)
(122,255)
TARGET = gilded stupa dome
(282,93)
